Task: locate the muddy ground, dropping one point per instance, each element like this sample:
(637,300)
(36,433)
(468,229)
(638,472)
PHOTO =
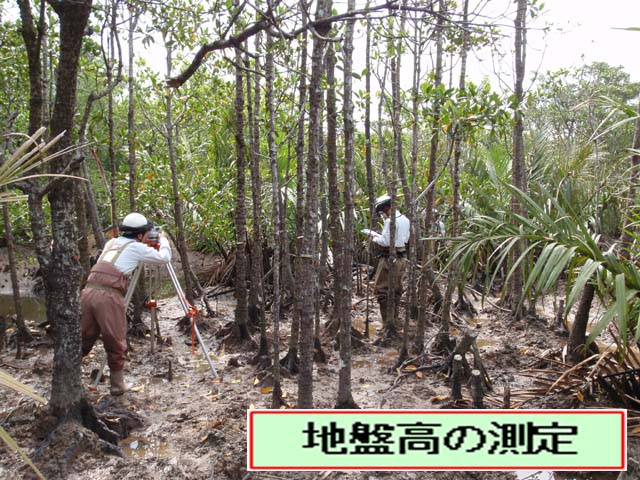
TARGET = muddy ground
(194,426)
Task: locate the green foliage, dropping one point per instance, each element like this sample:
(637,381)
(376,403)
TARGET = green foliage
(574,105)
(205,157)
(565,246)
(581,124)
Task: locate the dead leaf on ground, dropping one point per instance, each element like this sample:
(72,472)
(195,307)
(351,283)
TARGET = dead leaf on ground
(266,390)
(439,398)
(217,423)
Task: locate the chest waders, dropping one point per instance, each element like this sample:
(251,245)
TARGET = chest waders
(103,313)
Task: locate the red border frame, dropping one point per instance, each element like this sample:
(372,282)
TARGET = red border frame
(623,421)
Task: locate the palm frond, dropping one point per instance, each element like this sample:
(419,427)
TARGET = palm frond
(8,381)
(10,442)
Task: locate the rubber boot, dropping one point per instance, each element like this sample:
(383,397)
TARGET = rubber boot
(118,385)
(383,311)
(396,307)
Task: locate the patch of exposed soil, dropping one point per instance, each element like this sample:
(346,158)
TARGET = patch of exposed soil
(194,426)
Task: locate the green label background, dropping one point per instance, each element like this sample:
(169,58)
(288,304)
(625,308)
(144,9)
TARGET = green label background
(278,440)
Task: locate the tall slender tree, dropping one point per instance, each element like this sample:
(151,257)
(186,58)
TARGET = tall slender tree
(335,227)
(307,253)
(518,167)
(453,279)
(242,312)
(291,360)
(256,288)
(411,311)
(134,15)
(371,195)
(33,35)
(63,272)
(427,279)
(110,59)
(276,399)
(175,186)
(345,397)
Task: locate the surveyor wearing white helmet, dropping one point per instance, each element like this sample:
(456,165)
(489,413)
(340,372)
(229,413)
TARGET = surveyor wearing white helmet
(381,288)
(102,300)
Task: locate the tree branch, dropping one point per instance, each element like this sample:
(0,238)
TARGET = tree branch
(318,27)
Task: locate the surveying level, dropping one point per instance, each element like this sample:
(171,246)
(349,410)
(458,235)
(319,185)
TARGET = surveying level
(189,310)
(153,237)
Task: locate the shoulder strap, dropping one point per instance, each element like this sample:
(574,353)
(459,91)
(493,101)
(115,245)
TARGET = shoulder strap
(118,251)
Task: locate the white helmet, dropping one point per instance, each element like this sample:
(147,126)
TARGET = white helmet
(382,202)
(135,223)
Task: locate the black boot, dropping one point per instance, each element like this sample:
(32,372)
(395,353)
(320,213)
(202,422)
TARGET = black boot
(383,311)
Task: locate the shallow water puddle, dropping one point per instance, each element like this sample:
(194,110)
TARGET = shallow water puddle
(548,475)
(360,363)
(486,342)
(138,447)
(359,323)
(529,475)
(388,359)
(33,308)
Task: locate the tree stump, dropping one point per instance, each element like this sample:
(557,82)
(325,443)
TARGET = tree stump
(456,378)
(506,398)
(477,391)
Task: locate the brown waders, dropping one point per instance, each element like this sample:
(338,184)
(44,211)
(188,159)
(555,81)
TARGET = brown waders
(382,289)
(103,314)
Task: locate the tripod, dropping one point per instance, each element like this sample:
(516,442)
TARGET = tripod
(189,311)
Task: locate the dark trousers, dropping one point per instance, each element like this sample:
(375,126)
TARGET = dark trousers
(382,288)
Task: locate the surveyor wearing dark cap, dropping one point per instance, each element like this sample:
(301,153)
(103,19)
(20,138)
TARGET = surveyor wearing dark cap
(382,289)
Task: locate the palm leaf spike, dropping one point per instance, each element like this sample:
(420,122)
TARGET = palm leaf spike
(8,381)
(601,325)
(25,153)
(636,337)
(39,160)
(586,272)
(540,264)
(29,155)
(517,262)
(9,197)
(10,442)
(621,309)
(31,140)
(556,265)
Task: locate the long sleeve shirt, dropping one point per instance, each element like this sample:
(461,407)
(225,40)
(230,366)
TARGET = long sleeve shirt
(136,253)
(403,228)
